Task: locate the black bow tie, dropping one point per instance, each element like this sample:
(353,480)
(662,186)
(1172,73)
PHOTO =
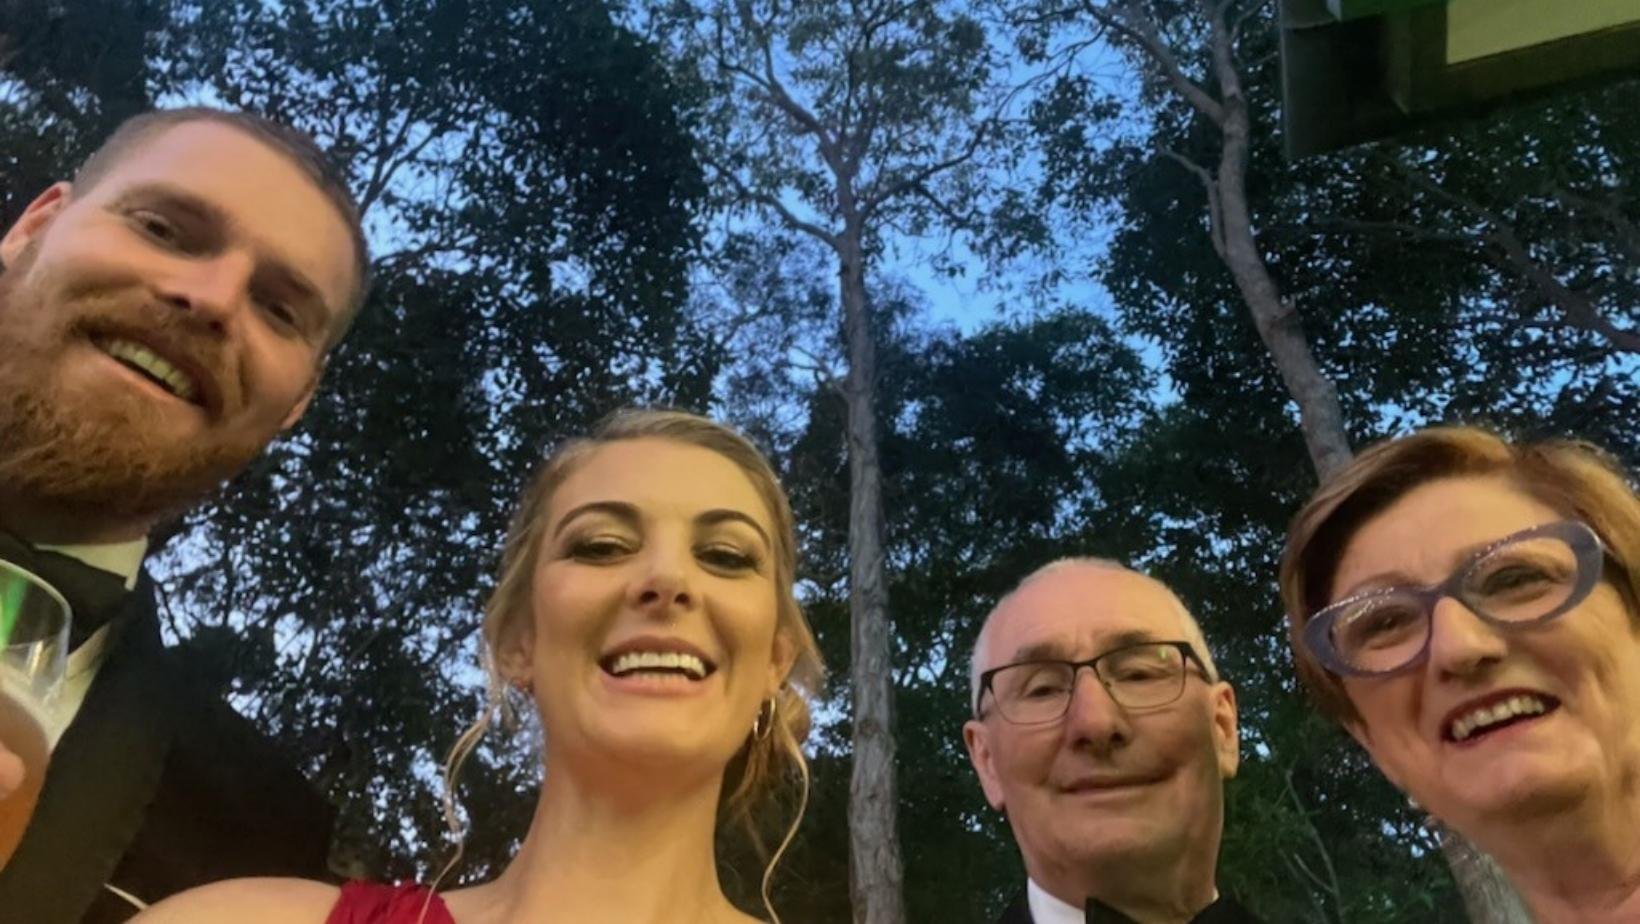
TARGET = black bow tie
(1100,913)
(94,595)
(1223,910)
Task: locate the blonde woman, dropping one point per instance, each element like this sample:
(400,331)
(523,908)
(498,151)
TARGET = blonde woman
(645,607)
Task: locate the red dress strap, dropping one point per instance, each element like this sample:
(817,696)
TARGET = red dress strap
(378,903)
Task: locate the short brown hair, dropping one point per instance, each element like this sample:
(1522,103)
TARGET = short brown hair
(1576,478)
(297,147)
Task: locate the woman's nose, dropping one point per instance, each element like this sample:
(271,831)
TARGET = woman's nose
(663,585)
(1461,644)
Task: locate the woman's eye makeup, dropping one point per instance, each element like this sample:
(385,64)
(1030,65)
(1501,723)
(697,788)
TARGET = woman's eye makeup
(596,547)
(727,557)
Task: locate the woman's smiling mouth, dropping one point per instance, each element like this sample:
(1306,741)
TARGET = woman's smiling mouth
(1479,718)
(656,664)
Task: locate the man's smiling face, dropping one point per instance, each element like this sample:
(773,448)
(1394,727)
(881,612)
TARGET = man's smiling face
(162,326)
(1102,782)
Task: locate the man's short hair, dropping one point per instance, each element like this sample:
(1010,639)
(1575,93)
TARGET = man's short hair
(296,146)
(1193,629)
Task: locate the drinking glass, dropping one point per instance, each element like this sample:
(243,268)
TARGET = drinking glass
(34,620)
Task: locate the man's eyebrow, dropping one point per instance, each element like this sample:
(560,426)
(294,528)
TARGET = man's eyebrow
(723,515)
(177,198)
(1055,651)
(1040,651)
(618,509)
(291,279)
(273,268)
(1129,637)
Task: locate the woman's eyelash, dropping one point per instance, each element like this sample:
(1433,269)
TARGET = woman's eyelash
(720,556)
(597,547)
(729,556)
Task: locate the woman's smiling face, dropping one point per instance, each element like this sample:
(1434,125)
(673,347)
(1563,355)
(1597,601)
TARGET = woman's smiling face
(1478,771)
(654,608)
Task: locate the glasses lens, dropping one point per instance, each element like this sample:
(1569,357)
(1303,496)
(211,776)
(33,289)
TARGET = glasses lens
(1143,676)
(1380,633)
(1033,692)
(1523,580)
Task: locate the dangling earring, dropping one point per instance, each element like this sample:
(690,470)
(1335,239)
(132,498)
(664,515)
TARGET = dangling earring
(761,727)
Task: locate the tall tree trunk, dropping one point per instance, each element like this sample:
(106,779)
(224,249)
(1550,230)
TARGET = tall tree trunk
(875,873)
(1488,896)
(1278,323)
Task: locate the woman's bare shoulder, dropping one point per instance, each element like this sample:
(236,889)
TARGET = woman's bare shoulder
(246,901)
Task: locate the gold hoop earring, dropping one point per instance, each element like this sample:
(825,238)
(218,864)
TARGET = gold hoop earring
(762,728)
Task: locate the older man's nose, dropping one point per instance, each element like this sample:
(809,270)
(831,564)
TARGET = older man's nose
(1093,719)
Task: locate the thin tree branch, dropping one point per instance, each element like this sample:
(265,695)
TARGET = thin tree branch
(773,203)
(1628,233)
(1511,253)
(776,91)
(1210,186)
(1253,9)
(1138,28)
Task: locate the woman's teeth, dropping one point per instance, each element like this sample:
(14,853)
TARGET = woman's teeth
(1488,716)
(669,661)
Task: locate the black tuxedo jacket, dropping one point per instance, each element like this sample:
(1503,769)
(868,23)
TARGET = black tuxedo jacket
(157,786)
(1224,911)
(1017,912)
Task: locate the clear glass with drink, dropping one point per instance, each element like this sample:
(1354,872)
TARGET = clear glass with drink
(34,620)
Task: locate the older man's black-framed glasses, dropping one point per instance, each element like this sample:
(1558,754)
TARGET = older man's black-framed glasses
(1140,676)
(1524,579)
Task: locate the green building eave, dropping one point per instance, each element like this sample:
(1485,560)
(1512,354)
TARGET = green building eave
(1342,10)
(1352,80)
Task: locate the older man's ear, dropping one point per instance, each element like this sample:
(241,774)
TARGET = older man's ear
(1226,730)
(975,736)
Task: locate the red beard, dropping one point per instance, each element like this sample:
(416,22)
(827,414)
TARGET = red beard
(99,461)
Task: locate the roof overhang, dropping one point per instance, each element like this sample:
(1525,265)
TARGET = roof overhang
(1360,70)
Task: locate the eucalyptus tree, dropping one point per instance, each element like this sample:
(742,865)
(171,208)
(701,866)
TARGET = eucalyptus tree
(1190,56)
(850,124)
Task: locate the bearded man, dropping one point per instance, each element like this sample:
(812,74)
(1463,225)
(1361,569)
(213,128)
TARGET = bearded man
(163,317)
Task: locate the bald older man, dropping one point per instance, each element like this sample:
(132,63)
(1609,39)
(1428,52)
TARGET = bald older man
(1112,777)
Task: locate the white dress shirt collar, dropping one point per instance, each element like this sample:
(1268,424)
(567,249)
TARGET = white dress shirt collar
(1045,909)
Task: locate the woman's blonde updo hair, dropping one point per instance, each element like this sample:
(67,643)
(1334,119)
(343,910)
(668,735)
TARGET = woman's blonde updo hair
(1575,478)
(772,761)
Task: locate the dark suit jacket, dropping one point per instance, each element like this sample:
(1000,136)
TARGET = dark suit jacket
(1017,912)
(1224,911)
(157,786)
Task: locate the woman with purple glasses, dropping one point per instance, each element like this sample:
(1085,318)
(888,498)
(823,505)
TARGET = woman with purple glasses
(1469,610)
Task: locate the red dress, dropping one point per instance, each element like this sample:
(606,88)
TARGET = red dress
(375,903)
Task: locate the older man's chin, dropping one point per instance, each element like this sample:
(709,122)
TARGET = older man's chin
(1113,832)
